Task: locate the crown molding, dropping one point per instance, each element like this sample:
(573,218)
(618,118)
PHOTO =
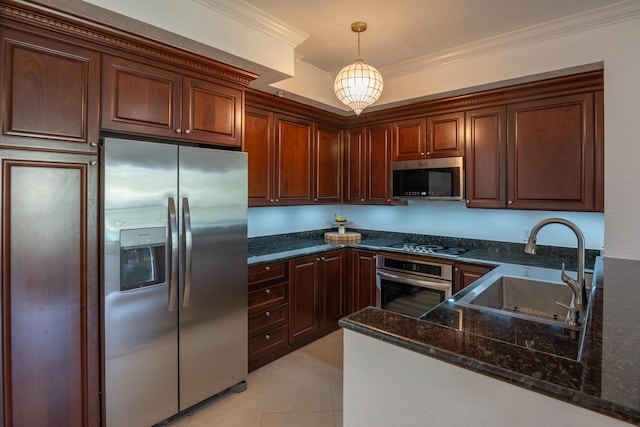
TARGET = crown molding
(250,16)
(593,19)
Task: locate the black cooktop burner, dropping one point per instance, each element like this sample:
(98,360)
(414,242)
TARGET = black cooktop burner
(425,248)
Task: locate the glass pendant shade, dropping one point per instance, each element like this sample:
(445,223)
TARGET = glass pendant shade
(358,85)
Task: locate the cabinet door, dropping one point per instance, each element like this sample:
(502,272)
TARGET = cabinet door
(332,286)
(258,143)
(486,158)
(49,290)
(303,297)
(354,171)
(140,98)
(445,135)
(327,170)
(294,162)
(409,140)
(211,113)
(551,160)
(362,280)
(51,93)
(378,154)
(466,274)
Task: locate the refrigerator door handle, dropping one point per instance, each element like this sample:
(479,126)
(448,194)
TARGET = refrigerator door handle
(188,241)
(173,250)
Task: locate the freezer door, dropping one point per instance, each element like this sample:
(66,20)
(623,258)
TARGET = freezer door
(139,328)
(213,288)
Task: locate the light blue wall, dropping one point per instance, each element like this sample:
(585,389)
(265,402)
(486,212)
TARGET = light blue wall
(431,217)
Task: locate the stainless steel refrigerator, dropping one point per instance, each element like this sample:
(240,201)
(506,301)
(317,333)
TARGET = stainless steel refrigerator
(174,278)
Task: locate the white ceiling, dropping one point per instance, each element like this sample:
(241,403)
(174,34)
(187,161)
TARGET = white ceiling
(407,29)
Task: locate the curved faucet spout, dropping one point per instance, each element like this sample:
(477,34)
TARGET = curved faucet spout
(577,286)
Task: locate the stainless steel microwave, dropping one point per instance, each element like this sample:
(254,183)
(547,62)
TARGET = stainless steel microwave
(430,179)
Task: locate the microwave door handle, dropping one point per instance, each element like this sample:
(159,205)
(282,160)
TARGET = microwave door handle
(173,250)
(188,242)
(440,286)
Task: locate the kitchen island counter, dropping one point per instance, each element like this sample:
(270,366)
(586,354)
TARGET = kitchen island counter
(537,357)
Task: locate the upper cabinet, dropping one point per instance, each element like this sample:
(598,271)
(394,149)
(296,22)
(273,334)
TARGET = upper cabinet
(281,156)
(540,154)
(445,135)
(146,99)
(486,157)
(440,135)
(327,165)
(409,139)
(51,93)
(367,165)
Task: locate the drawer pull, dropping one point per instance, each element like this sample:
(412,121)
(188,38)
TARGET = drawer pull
(268,291)
(268,267)
(267,314)
(267,337)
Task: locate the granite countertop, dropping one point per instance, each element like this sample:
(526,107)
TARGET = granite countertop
(275,248)
(555,361)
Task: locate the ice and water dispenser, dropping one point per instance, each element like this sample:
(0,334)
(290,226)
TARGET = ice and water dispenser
(142,257)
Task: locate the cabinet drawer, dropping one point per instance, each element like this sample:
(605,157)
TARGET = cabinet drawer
(269,341)
(264,273)
(268,319)
(267,297)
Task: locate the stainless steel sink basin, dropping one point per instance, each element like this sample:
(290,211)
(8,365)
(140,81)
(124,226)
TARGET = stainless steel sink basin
(531,298)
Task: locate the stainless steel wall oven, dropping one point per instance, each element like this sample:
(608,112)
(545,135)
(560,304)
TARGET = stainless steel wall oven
(410,285)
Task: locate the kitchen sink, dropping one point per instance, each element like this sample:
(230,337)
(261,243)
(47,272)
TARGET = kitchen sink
(530,298)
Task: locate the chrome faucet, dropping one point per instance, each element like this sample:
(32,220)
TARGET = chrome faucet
(577,286)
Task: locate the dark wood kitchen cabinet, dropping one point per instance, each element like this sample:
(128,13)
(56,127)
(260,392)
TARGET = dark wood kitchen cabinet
(281,156)
(317,298)
(551,153)
(51,93)
(327,165)
(362,279)
(445,135)
(147,99)
(268,308)
(539,154)
(50,321)
(465,274)
(367,165)
(409,139)
(486,158)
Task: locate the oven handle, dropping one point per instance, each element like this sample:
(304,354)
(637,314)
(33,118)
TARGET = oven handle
(423,283)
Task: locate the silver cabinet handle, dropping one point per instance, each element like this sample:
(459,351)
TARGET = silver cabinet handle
(188,244)
(173,250)
(93,144)
(187,131)
(267,314)
(267,337)
(178,130)
(93,163)
(268,291)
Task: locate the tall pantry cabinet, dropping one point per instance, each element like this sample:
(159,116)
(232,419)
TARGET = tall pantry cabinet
(49,282)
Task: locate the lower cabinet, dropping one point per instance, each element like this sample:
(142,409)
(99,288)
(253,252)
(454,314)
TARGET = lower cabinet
(268,309)
(466,274)
(362,279)
(317,301)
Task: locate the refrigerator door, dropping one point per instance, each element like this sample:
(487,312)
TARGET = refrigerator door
(213,288)
(139,328)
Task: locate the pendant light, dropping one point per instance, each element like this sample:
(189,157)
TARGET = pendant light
(358,85)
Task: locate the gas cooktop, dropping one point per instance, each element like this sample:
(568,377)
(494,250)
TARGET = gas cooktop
(427,249)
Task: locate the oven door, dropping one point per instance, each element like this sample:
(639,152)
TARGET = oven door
(409,294)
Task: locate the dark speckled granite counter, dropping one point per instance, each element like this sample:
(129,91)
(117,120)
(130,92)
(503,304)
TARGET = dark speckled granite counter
(273,248)
(545,359)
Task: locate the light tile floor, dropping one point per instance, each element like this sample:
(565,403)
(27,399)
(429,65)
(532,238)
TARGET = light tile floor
(301,389)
